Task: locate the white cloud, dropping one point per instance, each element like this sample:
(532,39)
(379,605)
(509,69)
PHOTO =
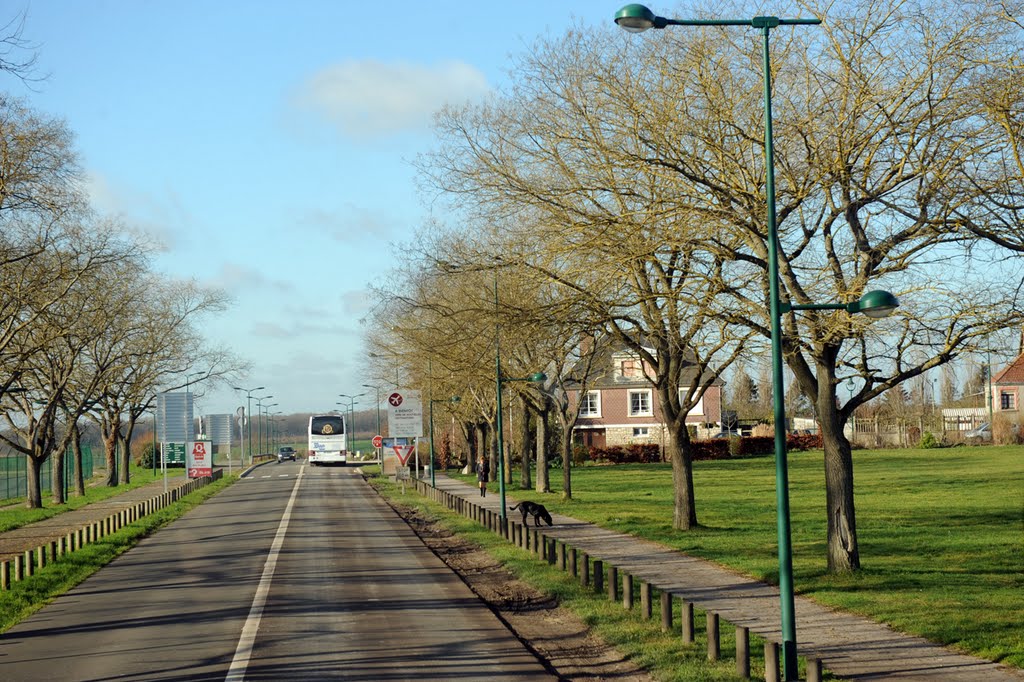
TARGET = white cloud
(374,98)
(352,224)
(233,277)
(157,219)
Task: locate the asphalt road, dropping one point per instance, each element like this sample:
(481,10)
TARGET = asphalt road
(294,573)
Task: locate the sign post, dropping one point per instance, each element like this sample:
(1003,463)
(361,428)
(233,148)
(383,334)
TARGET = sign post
(200,459)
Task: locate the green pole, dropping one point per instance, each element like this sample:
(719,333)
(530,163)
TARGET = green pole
(501,440)
(787,604)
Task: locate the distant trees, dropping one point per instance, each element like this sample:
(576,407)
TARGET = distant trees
(86,327)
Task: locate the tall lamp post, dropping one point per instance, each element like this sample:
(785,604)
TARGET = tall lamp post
(636,18)
(266,428)
(352,411)
(377,390)
(259,422)
(536,377)
(450,401)
(248,412)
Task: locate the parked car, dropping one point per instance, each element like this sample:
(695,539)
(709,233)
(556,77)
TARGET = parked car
(727,433)
(285,453)
(983,432)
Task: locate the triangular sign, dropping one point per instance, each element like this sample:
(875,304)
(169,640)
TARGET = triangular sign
(403,452)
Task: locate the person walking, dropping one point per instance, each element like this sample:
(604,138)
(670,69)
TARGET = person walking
(483,470)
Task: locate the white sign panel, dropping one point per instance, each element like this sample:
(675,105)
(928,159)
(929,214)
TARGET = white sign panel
(405,414)
(199,458)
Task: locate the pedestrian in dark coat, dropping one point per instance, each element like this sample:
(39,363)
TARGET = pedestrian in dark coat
(483,471)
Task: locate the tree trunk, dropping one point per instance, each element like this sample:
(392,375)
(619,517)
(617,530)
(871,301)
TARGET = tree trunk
(124,469)
(57,477)
(566,443)
(76,448)
(843,551)
(525,478)
(34,499)
(684,514)
(469,435)
(110,456)
(541,438)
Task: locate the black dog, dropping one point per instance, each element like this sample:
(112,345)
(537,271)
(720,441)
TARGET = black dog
(539,512)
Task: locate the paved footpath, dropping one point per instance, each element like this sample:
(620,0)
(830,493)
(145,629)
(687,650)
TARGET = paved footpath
(850,646)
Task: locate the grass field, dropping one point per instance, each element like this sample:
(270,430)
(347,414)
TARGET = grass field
(941,533)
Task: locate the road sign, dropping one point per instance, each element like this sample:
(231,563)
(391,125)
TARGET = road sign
(173,453)
(405,414)
(200,459)
(378,441)
(402,473)
(403,452)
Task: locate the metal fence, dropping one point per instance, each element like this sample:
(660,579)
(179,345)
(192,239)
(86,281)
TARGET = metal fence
(14,473)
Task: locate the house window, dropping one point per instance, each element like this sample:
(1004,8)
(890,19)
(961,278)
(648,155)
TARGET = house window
(591,406)
(698,409)
(641,432)
(640,403)
(630,369)
(1006,400)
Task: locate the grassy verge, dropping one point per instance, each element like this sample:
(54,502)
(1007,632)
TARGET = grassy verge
(663,654)
(28,596)
(941,533)
(15,518)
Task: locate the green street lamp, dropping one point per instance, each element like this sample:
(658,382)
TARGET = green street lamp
(380,454)
(536,377)
(259,423)
(248,412)
(637,18)
(351,428)
(451,401)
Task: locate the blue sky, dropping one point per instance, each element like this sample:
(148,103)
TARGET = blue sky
(266,146)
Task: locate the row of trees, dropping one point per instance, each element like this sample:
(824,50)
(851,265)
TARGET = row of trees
(617,189)
(87,327)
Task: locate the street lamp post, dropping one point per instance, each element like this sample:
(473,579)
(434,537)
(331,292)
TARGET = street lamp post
(377,389)
(351,428)
(259,422)
(266,428)
(636,18)
(453,399)
(248,412)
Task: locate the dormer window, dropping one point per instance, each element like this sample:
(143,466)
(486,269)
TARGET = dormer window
(630,369)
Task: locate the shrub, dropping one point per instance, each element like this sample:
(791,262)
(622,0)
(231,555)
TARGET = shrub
(929,441)
(146,458)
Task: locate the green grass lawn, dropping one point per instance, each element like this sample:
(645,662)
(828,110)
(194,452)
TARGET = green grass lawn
(11,518)
(941,533)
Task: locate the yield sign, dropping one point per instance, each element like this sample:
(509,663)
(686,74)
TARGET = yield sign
(403,452)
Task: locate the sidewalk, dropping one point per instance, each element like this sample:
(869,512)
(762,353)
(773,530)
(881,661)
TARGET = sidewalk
(850,646)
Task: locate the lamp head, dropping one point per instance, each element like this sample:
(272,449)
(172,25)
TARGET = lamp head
(876,304)
(635,18)
(538,377)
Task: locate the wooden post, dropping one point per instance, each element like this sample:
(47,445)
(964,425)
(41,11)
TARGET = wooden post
(743,651)
(689,637)
(627,591)
(561,556)
(613,583)
(666,611)
(5,575)
(572,562)
(598,575)
(585,573)
(714,637)
(551,551)
(814,671)
(771,662)
(645,600)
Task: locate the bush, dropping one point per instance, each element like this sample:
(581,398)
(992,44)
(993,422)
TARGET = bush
(146,458)
(580,454)
(634,453)
(929,441)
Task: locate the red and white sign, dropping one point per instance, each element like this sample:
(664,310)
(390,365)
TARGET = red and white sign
(378,441)
(403,452)
(199,459)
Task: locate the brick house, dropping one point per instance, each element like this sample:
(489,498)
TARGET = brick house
(621,406)
(1007,387)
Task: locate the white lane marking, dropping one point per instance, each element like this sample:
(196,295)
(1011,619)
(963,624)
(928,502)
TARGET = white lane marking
(236,673)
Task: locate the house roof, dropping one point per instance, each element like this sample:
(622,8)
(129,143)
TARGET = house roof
(604,375)
(1012,374)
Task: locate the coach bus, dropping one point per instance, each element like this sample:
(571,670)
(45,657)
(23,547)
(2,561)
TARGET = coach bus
(328,440)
